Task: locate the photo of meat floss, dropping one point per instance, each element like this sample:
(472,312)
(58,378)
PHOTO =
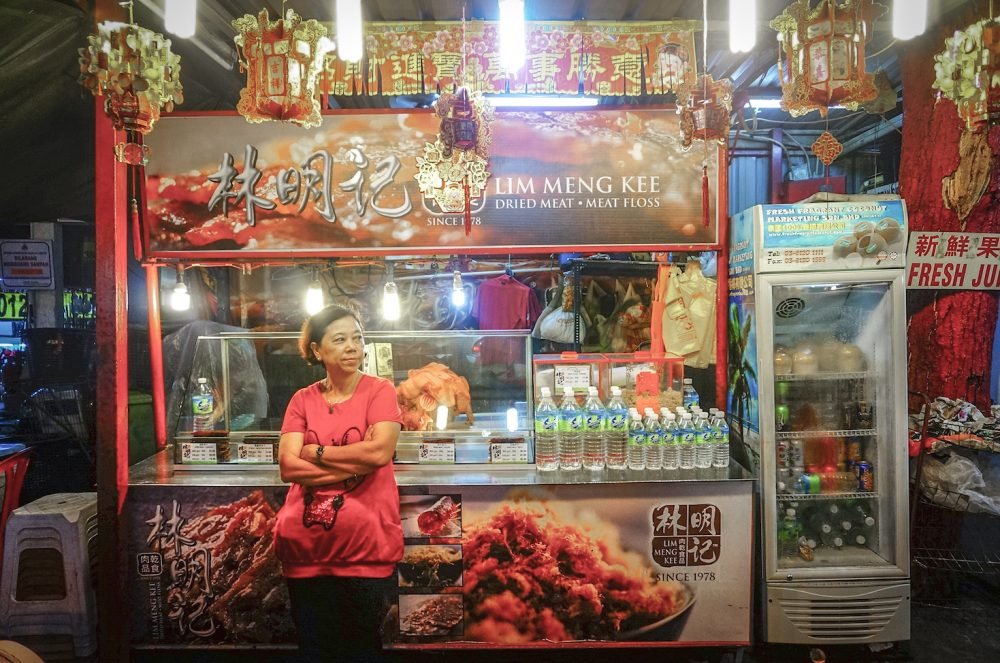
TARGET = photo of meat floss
(523,554)
(431,566)
(430,614)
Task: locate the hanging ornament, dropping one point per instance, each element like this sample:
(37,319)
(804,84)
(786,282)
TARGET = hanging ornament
(452,171)
(827,148)
(282,60)
(968,73)
(138,74)
(706,116)
(824,54)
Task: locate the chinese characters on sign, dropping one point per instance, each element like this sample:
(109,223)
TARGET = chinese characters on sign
(953,261)
(188,570)
(686,534)
(310,183)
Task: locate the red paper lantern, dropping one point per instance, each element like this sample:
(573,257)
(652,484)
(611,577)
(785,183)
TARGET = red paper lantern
(824,54)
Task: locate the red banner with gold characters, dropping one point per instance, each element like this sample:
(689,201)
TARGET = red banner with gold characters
(563,57)
(611,180)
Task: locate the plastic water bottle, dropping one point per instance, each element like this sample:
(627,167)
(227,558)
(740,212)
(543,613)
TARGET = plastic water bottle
(595,422)
(616,431)
(788,534)
(689,396)
(202,406)
(704,442)
(636,444)
(671,444)
(654,443)
(546,432)
(721,452)
(685,433)
(570,432)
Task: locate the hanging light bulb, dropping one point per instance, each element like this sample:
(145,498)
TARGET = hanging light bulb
(742,25)
(909,19)
(181,17)
(314,295)
(390,297)
(457,290)
(350,30)
(180,298)
(512,46)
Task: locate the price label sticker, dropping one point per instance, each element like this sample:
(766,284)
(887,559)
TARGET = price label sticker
(509,452)
(436,453)
(254,453)
(199,453)
(576,376)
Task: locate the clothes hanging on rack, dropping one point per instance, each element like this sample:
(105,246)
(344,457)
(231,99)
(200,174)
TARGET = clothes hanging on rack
(504,303)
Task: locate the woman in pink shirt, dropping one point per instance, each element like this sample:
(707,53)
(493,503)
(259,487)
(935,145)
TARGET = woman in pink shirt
(338,535)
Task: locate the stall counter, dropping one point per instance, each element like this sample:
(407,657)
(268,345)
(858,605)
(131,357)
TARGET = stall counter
(511,558)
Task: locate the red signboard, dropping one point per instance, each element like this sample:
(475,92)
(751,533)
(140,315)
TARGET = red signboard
(220,188)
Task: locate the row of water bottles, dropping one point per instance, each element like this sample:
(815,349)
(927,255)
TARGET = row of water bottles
(614,436)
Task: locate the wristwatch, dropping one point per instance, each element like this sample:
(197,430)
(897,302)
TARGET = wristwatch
(319,452)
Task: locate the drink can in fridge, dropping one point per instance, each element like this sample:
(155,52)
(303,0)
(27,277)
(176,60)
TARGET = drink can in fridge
(866,476)
(782,448)
(795,453)
(847,416)
(808,484)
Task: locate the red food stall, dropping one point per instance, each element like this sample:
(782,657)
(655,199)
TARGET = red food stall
(650,558)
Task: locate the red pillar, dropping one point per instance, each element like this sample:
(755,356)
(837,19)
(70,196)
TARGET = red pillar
(111,229)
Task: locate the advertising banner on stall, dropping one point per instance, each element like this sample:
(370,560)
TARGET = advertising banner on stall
(621,564)
(218,187)
(831,236)
(953,261)
(743,395)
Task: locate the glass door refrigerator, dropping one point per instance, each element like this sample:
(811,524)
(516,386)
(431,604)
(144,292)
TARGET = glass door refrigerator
(818,367)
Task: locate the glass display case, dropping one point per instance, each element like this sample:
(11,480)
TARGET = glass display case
(464,396)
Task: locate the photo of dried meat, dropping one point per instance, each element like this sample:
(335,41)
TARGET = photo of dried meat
(437,516)
(431,566)
(426,615)
(523,552)
(222,582)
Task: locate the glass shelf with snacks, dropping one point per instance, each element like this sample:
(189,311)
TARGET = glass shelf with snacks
(816,377)
(792,435)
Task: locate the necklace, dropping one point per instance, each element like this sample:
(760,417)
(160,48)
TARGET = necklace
(332,399)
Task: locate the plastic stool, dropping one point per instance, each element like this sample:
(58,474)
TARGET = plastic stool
(47,587)
(14,459)
(13,652)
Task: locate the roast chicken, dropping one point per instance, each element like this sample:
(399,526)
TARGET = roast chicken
(428,387)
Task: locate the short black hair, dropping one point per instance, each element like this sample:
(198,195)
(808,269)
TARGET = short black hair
(315,326)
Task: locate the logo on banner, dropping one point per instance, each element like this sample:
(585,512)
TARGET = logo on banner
(686,534)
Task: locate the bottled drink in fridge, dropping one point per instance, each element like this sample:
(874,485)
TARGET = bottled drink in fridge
(720,457)
(832,540)
(616,430)
(570,432)
(788,534)
(704,441)
(595,417)
(671,448)
(689,396)
(654,442)
(202,406)
(685,444)
(546,432)
(636,444)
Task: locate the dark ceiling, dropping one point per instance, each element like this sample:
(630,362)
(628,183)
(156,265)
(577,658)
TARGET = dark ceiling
(47,118)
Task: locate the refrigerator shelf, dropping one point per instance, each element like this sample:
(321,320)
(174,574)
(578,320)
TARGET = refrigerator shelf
(816,377)
(856,495)
(791,435)
(833,557)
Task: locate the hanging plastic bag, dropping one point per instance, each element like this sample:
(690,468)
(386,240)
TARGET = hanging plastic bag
(679,335)
(559,325)
(698,293)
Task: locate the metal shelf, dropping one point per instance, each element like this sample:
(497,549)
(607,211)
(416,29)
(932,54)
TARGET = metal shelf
(950,560)
(791,435)
(817,377)
(856,495)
